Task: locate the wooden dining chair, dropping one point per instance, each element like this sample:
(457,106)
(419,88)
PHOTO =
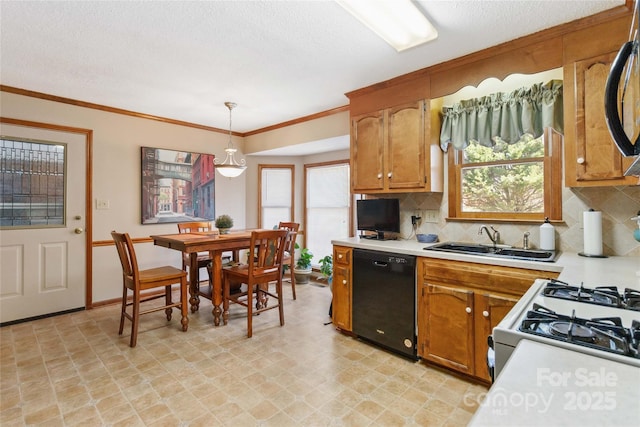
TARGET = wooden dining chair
(288,258)
(137,281)
(263,267)
(204,258)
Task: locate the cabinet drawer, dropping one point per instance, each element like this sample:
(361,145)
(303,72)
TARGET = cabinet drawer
(342,255)
(487,277)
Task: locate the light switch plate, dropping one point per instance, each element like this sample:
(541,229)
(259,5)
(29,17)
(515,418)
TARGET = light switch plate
(431,216)
(102,204)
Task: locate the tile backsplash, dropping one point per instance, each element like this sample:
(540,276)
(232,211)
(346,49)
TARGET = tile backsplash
(618,205)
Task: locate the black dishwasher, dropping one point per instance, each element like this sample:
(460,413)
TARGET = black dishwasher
(384,300)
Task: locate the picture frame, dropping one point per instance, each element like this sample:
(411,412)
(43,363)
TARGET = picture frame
(176,186)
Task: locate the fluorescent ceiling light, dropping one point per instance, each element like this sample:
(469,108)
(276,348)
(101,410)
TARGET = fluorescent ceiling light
(399,22)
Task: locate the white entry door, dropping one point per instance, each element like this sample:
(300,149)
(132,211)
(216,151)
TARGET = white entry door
(42,240)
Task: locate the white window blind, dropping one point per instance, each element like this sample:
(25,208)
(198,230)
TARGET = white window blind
(275,196)
(328,207)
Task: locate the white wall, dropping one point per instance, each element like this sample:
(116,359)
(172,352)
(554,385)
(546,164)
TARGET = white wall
(116,177)
(298,162)
(314,130)
(116,173)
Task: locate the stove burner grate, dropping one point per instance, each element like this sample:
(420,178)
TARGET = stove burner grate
(571,330)
(600,295)
(606,334)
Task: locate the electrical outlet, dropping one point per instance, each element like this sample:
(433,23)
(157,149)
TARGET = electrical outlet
(102,204)
(431,216)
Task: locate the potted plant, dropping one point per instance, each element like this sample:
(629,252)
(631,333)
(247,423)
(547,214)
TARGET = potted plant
(302,270)
(326,268)
(224,223)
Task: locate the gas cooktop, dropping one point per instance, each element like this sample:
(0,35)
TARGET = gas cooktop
(607,333)
(600,295)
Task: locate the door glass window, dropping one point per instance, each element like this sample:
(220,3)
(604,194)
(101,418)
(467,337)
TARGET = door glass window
(32,182)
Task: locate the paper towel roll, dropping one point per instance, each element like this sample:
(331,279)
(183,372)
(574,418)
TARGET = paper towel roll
(592,223)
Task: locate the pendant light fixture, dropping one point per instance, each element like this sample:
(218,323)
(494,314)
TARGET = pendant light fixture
(230,167)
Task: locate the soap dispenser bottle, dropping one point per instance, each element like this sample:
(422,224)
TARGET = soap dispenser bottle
(547,236)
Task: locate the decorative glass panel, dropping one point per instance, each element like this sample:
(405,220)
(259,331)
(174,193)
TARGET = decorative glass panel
(33,183)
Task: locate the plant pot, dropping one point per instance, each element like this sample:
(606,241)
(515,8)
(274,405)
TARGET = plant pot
(223,230)
(302,276)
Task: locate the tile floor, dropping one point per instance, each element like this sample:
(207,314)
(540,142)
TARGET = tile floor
(74,369)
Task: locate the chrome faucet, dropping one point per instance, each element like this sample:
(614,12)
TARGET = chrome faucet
(525,240)
(494,237)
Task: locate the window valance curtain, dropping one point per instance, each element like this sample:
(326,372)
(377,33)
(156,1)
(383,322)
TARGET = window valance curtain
(510,117)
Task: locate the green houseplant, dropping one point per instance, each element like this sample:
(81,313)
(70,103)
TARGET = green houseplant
(223,223)
(326,267)
(302,270)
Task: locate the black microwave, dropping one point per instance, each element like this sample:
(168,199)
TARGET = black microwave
(622,96)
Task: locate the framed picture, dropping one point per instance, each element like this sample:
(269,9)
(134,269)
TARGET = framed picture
(177,186)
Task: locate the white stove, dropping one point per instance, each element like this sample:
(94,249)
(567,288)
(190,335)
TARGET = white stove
(603,322)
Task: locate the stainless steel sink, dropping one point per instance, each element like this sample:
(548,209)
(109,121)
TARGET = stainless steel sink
(499,252)
(462,247)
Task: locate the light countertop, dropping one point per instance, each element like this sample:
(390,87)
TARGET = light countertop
(574,269)
(550,386)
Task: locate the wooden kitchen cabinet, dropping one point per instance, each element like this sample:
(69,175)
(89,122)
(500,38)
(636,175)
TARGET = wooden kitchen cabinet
(591,156)
(443,334)
(459,304)
(341,304)
(367,151)
(489,310)
(391,150)
(458,311)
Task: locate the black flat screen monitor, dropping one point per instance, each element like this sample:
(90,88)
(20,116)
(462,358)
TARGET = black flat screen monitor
(378,215)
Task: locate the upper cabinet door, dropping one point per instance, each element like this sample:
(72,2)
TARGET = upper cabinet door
(391,151)
(405,135)
(367,134)
(591,156)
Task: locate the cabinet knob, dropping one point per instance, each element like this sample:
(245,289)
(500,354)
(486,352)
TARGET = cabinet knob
(344,281)
(379,175)
(580,160)
(485,313)
(389,175)
(340,256)
(468,309)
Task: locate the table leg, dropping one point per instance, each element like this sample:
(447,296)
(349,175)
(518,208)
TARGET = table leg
(194,286)
(216,292)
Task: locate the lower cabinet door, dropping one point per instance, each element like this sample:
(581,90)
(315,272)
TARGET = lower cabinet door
(490,310)
(446,333)
(341,309)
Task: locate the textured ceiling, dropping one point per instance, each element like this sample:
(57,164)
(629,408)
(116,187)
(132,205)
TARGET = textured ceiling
(278,60)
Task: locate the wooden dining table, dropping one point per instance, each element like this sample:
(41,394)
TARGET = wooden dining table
(215,244)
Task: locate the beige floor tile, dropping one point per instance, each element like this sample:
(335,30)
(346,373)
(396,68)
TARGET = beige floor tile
(299,410)
(42,415)
(390,418)
(154,413)
(370,409)
(74,370)
(427,418)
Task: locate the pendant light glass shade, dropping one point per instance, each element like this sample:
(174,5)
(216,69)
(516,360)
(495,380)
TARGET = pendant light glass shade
(230,168)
